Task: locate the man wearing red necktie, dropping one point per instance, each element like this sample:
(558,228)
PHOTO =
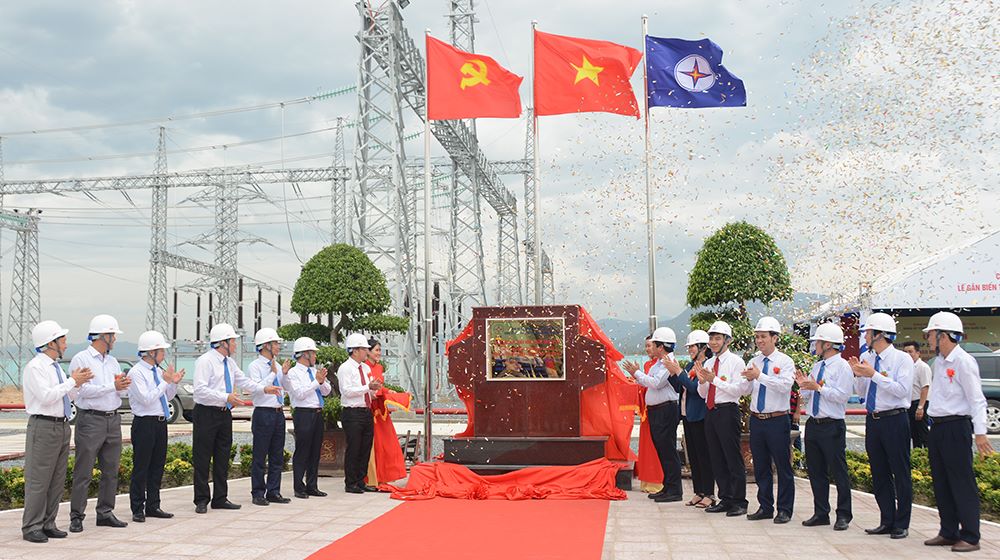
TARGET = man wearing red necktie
(357,390)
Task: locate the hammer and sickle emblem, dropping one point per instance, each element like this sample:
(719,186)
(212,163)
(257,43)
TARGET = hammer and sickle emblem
(475,70)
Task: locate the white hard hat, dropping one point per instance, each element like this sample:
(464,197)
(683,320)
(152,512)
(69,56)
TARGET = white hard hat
(266,335)
(768,324)
(303,344)
(945,321)
(721,327)
(152,340)
(222,331)
(103,324)
(45,332)
(665,335)
(356,340)
(697,336)
(880,322)
(829,332)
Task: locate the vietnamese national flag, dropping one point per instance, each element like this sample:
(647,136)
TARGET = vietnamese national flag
(463,85)
(574,75)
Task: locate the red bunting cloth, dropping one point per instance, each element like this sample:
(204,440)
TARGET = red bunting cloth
(593,480)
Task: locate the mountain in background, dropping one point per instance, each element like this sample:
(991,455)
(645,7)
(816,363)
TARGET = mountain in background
(629,336)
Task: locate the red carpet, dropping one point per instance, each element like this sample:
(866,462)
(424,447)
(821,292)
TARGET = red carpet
(446,529)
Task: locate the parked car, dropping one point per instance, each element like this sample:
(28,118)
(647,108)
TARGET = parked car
(180,406)
(989,371)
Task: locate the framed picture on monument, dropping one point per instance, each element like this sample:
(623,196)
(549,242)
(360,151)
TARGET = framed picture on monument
(525,349)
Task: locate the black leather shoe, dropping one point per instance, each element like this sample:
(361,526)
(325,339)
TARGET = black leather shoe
(841,525)
(54,533)
(226,505)
(367,488)
(654,495)
(760,514)
(35,536)
(111,521)
(278,499)
(880,530)
(782,518)
(317,493)
(138,518)
(353,490)
(717,508)
(261,502)
(899,534)
(816,521)
(736,512)
(75,525)
(668,498)
(158,513)
(302,495)
(200,508)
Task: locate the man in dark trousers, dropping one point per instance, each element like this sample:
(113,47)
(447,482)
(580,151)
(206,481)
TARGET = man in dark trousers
(825,392)
(307,386)
(957,410)
(357,391)
(884,380)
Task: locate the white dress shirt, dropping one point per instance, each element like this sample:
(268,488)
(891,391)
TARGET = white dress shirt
(302,389)
(657,383)
(352,388)
(729,384)
(100,393)
(144,393)
(210,380)
(836,390)
(961,394)
(921,378)
(44,387)
(893,388)
(777,382)
(260,372)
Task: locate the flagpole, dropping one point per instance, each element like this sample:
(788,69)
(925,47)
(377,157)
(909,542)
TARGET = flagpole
(651,245)
(428,316)
(537,245)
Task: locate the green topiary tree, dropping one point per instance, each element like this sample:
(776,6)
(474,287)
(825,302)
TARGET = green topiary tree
(342,281)
(737,264)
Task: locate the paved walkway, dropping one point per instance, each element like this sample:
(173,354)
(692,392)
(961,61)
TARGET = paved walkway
(637,529)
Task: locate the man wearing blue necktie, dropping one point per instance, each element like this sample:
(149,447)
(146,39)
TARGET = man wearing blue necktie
(47,395)
(825,393)
(885,379)
(151,389)
(307,385)
(216,377)
(770,376)
(268,422)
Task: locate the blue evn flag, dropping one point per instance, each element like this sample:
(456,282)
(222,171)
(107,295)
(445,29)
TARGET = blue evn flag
(690,74)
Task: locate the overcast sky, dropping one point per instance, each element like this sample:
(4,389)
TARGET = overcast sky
(869,138)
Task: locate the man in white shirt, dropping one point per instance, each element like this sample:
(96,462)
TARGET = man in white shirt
(770,375)
(957,410)
(307,385)
(268,421)
(216,377)
(98,433)
(151,389)
(918,397)
(884,380)
(825,394)
(721,385)
(662,410)
(47,394)
(357,391)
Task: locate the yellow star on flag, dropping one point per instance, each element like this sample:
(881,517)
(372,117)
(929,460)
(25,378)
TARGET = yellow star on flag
(587,70)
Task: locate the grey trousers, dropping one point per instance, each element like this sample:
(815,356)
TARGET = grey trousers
(46,450)
(97,437)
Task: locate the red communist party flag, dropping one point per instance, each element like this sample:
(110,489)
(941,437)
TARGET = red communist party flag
(463,85)
(574,75)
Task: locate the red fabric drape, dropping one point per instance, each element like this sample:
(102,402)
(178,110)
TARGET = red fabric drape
(593,480)
(389,462)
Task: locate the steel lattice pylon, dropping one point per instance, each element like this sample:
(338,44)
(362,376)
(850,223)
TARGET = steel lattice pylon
(156,314)
(25,304)
(339,228)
